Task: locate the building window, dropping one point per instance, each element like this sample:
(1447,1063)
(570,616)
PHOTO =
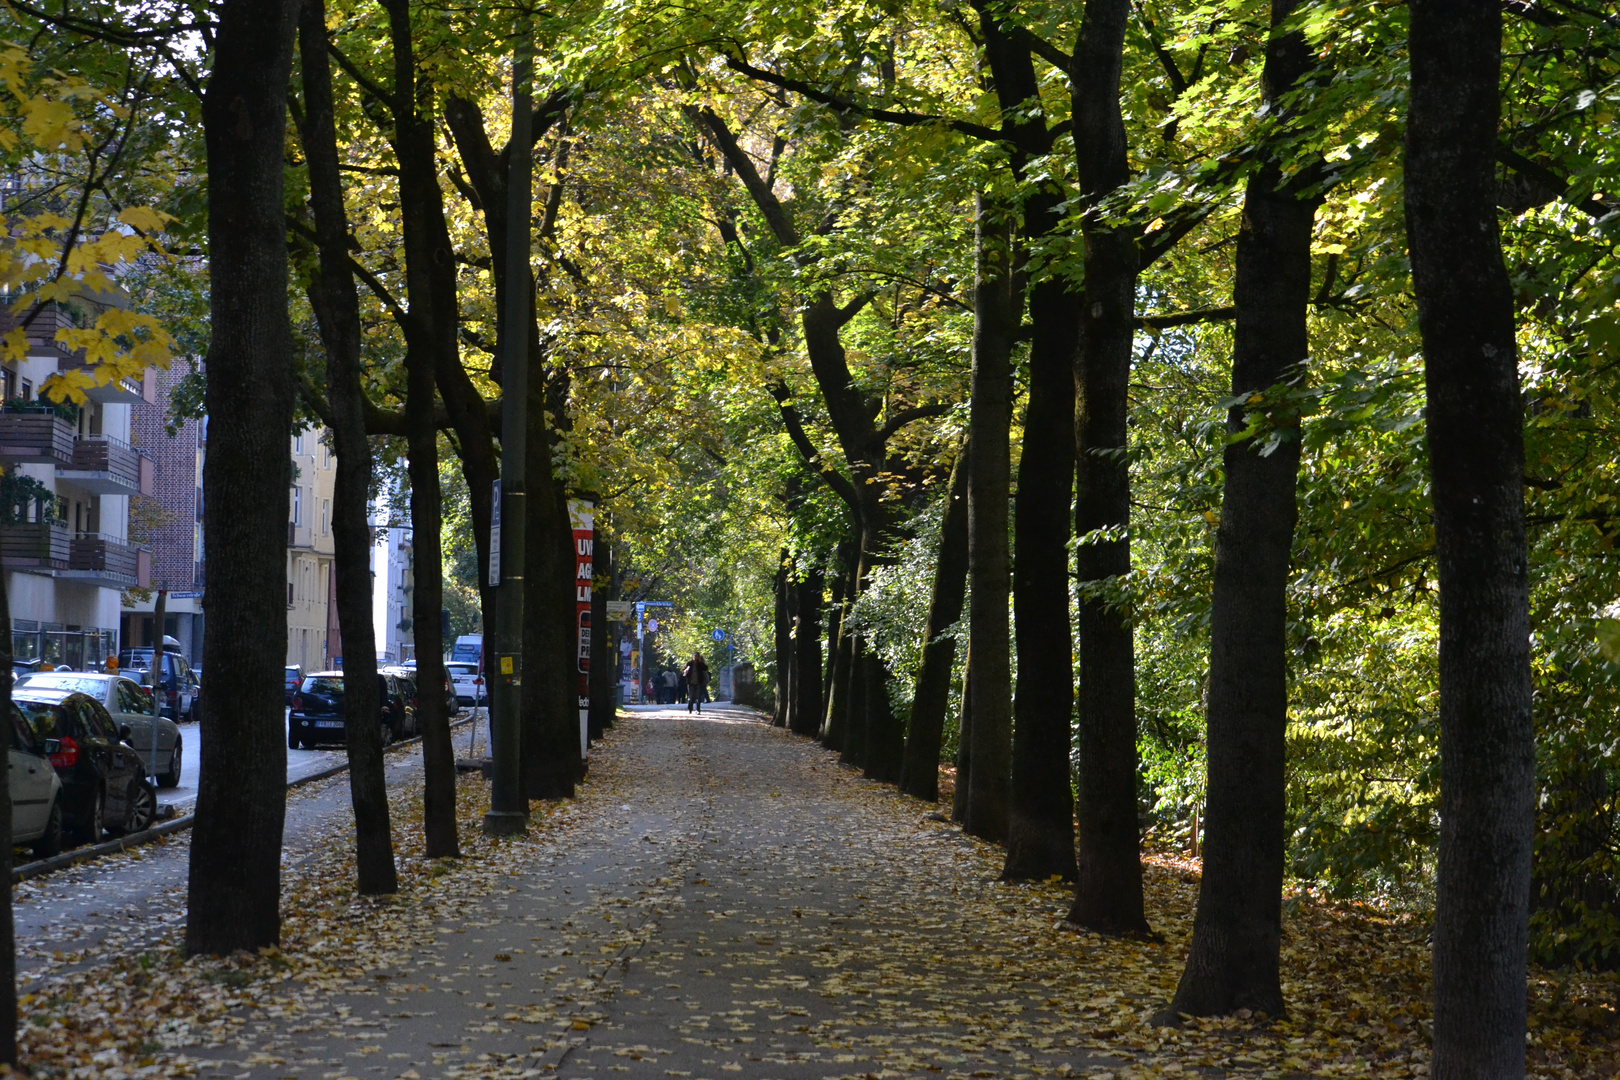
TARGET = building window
(326,510)
(298,445)
(298,506)
(326,456)
(27,390)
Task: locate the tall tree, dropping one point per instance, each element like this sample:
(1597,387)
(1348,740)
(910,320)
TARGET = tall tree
(8,925)
(1108,896)
(931,700)
(430,345)
(1475,436)
(997,305)
(1238,931)
(337,310)
(783,625)
(234,891)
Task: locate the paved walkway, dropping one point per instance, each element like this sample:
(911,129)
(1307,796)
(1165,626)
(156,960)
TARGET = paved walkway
(723,900)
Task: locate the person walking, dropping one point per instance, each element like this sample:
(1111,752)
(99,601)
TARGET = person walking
(671,677)
(697,681)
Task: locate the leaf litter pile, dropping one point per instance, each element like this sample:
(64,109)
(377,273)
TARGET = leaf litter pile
(723,899)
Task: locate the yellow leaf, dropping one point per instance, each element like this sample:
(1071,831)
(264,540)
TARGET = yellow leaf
(144,218)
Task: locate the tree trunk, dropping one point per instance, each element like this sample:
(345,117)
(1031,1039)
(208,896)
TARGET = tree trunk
(234,890)
(835,732)
(1040,828)
(791,671)
(1232,963)
(919,775)
(996,311)
(964,745)
(854,753)
(337,310)
(806,688)
(430,333)
(1108,895)
(784,644)
(834,620)
(1476,457)
(885,736)
(550,707)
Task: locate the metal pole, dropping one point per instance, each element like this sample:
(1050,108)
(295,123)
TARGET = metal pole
(509,809)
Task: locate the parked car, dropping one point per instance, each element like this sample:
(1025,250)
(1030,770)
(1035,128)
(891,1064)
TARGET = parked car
(293,680)
(450,702)
(130,705)
(317,709)
(104,784)
(177,688)
(469,685)
(36,792)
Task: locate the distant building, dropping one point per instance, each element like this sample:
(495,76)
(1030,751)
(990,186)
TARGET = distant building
(170,521)
(310,641)
(393,582)
(71,473)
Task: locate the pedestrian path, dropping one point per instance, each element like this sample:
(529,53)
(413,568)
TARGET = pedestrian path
(723,900)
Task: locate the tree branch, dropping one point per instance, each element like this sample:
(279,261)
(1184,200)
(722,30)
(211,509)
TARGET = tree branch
(807,450)
(1594,208)
(907,416)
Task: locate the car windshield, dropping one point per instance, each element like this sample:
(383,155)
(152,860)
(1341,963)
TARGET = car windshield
(327,686)
(68,684)
(461,669)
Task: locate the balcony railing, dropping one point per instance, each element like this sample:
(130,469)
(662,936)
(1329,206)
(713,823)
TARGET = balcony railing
(106,560)
(107,466)
(35,436)
(35,545)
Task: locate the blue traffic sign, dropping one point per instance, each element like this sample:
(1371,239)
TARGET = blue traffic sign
(719,635)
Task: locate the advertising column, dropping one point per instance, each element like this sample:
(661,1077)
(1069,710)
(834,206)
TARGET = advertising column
(581,513)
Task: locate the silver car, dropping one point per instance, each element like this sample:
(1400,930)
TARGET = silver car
(36,804)
(129,703)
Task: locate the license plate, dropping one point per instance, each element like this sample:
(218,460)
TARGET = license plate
(329,723)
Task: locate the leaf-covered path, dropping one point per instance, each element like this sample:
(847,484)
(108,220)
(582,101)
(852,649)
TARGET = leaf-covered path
(724,899)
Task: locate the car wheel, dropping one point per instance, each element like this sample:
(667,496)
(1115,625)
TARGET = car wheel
(93,830)
(172,777)
(50,843)
(142,807)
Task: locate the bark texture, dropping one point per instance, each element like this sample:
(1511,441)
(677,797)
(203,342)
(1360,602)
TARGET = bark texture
(1108,893)
(806,686)
(8,932)
(1232,962)
(1475,438)
(919,774)
(337,310)
(234,889)
(551,759)
(604,658)
(783,627)
(989,728)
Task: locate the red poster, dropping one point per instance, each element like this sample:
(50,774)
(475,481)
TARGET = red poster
(582,516)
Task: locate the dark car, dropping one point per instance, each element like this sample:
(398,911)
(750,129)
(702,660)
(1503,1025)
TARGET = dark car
(317,709)
(104,784)
(294,679)
(176,691)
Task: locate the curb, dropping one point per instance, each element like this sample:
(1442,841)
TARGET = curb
(179,824)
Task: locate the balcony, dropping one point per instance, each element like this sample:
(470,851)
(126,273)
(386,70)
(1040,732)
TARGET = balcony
(40,546)
(42,345)
(108,561)
(103,465)
(35,435)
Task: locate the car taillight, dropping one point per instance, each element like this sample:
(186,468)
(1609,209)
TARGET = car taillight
(298,702)
(174,696)
(413,703)
(67,754)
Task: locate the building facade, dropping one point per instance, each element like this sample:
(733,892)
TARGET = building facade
(310,642)
(71,472)
(170,521)
(392,583)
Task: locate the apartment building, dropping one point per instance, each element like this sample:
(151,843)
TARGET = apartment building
(70,474)
(393,582)
(311,639)
(170,521)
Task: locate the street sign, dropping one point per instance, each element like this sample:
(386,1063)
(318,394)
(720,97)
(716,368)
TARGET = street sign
(656,603)
(620,609)
(652,626)
(719,635)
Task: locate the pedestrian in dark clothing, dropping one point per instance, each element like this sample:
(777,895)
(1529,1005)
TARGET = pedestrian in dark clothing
(697,682)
